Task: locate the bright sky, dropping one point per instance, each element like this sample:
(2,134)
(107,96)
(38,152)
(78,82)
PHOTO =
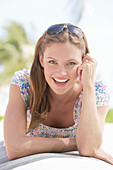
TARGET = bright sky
(97,23)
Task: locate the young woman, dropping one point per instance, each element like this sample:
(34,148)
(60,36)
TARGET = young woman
(57,106)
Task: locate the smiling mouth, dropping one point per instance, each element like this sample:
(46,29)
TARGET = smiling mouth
(60,81)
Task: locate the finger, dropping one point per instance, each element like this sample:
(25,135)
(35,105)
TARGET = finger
(88,58)
(87,64)
(91,62)
(109,160)
(104,156)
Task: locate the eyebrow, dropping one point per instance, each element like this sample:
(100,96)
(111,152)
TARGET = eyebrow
(67,60)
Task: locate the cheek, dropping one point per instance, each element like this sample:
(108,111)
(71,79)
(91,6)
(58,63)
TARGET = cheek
(74,73)
(48,70)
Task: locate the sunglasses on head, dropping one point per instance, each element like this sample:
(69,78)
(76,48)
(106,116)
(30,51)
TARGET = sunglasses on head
(73,30)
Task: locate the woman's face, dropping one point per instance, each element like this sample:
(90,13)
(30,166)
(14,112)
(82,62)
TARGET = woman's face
(60,63)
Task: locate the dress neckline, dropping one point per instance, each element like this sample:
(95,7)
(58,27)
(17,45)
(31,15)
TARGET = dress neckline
(68,128)
(54,128)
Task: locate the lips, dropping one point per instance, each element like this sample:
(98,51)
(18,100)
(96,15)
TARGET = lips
(60,80)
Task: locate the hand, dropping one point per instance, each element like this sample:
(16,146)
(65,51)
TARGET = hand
(101,154)
(87,70)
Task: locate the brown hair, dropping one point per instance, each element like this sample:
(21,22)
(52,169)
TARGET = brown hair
(39,101)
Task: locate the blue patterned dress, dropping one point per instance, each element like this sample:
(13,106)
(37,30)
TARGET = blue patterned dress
(22,79)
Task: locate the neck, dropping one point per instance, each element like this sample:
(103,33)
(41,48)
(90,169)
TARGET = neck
(68,97)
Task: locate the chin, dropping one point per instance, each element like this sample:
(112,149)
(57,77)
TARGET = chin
(59,92)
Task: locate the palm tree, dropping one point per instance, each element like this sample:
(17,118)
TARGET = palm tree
(12,50)
(76,9)
(14,38)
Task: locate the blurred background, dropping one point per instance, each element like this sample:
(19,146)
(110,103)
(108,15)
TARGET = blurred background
(22,22)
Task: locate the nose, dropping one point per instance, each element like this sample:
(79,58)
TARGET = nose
(62,70)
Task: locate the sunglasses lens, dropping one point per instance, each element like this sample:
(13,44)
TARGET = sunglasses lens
(75,31)
(54,29)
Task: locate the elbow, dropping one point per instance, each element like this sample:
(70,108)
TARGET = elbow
(89,150)
(86,152)
(11,155)
(14,147)
(12,152)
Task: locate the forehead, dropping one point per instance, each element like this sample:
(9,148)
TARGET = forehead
(65,50)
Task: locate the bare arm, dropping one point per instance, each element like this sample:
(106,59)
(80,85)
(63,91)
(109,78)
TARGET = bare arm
(90,129)
(91,123)
(16,141)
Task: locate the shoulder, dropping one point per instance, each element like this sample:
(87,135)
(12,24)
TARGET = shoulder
(21,78)
(102,93)
(100,86)
(102,98)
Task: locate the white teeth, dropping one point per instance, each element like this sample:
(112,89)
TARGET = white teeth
(61,81)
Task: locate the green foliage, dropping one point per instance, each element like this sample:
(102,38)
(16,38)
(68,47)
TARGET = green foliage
(15,34)
(13,53)
(109,116)
(1,117)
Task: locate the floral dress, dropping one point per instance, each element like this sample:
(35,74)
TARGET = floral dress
(22,79)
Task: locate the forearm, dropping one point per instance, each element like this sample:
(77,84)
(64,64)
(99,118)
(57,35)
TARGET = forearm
(28,145)
(89,131)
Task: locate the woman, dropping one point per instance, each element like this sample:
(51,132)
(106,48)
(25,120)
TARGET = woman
(58,106)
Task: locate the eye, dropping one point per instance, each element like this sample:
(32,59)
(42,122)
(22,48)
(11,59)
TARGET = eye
(71,63)
(52,62)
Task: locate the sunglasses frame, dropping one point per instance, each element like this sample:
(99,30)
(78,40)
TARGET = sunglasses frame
(72,29)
